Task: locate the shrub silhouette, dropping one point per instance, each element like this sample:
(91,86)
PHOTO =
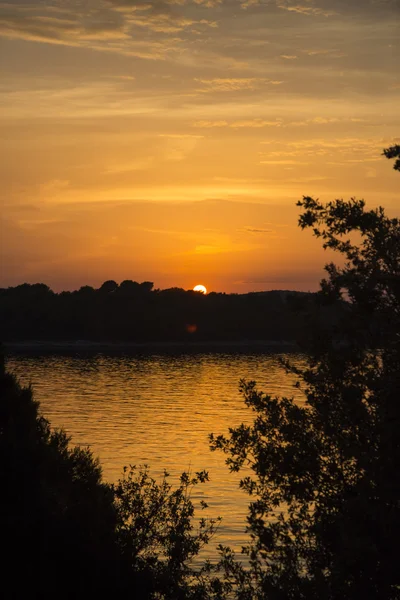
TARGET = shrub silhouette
(57,517)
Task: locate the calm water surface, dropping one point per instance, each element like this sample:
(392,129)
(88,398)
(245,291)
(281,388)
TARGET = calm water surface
(157,409)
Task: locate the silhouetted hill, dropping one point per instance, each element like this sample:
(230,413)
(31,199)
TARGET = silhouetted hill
(135,312)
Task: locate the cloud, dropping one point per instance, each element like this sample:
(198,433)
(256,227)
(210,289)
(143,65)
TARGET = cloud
(282,162)
(305,9)
(233,84)
(324,154)
(350,144)
(90,100)
(255,123)
(198,32)
(364,9)
(98,25)
(323,120)
(331,52)
(56,25)
(242,124)
(210,124)
(256,230)
(315,121)
(123,77)
(260,123)
(180,136)
(154,6)
(209,3)
(165,23)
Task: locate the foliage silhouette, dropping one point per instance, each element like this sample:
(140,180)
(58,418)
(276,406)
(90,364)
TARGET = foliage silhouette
(108,287)
(57,516)
(66,533)
(323,476)
(155,534)
(393,152)
(135,312)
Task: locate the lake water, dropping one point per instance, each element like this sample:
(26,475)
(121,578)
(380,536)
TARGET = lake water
(158,409)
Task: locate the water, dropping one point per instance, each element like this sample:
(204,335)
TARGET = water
(158,409)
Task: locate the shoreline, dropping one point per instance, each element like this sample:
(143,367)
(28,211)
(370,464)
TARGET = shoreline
(104,346)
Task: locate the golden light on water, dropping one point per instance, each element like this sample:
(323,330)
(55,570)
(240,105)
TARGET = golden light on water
(200,288)
(99,411)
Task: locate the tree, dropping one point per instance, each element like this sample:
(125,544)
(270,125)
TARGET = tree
(109,286)
(86,289)
(146,286)
(158,538)
(324,519)
(57,517)
(393,152)
(128,287)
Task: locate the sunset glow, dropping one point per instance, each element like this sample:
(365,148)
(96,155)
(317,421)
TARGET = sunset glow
(151,141)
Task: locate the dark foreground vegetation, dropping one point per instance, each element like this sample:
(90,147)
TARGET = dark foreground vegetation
(324,515)
(65,533)
(135,312)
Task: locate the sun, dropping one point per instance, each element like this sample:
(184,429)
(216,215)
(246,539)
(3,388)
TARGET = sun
(200,288)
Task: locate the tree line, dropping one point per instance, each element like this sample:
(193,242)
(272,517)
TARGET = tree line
(135,312)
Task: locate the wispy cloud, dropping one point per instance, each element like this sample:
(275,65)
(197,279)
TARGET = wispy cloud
(260,123)
(324,52)
(256,230)
(107,26)
(210,124)
(255,123)
(233,84)
(283,162)
(306,9)
(180,136)
(240,124)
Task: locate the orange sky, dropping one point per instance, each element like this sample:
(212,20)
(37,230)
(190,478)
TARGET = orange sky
(169,140)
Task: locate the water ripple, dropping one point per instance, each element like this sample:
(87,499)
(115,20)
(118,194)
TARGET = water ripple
(157,409)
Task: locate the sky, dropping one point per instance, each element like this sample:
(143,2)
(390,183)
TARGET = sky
(169,140)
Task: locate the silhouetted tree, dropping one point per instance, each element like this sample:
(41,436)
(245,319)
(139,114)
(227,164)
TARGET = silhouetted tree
(147,286)
(324,474)
(86,289)
(57,518)
(108,286)
(394,152)
(128,287)
(158,538)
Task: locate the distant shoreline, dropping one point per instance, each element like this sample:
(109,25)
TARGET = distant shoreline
(104,346)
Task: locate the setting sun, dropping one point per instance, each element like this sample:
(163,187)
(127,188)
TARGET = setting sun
(200,288)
